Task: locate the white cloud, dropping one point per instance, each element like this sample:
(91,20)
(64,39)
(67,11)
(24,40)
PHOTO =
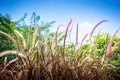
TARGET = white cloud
(86,24)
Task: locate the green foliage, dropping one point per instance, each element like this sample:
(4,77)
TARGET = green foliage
(100,45)
(116,56)
(100,48)
(70,48)
(116,59)
(7,26)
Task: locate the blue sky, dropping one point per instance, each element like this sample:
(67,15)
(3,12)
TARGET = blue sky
(89,12)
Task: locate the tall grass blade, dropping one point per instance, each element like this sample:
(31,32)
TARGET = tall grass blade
(10,37)
(109,47)
(72,25)
(12,61)
(29,36)
(21,36)
(19,42)
(12,52)
(115,46)
(64,42)
(56,37)
(91,33)
(106,45)
(83,40)
(34,37)
(77,34)
(5,61)
(66,32)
